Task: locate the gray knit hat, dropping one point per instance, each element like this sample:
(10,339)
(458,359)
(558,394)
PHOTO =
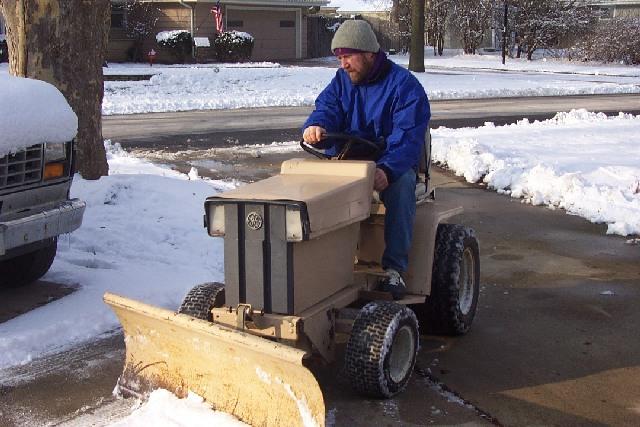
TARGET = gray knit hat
(357,35)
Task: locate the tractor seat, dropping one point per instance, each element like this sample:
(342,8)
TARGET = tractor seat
(423,192)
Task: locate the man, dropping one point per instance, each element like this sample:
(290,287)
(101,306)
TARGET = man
(375,99)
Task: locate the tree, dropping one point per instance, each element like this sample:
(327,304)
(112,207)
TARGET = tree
(416,52)
(63,42)
(401,14)
(471,18)
(612,40)
(436,15)
(542,23)
(141,19)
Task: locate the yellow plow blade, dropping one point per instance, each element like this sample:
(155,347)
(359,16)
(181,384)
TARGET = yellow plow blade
(261,382)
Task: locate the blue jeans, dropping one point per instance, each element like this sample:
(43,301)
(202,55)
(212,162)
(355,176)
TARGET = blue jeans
(400,203)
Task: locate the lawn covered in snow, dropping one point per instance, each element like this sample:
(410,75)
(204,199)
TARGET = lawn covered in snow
(264,84)
(229,86)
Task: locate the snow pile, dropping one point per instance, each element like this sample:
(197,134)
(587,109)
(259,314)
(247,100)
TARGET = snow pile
(361,5)
(208,88)
(201,41)
(141,237)
(586,163)
(168,36)
(32,112)
(163,409)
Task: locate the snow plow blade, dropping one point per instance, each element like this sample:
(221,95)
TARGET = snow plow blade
(261,382)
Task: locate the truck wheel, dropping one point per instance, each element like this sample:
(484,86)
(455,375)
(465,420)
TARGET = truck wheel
(455,284)
(201,299)
(29,267)
(382,349)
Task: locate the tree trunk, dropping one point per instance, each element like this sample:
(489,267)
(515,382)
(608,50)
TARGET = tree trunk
(63,42)
(416,54)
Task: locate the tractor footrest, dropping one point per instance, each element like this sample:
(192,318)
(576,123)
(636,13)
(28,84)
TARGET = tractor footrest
(386,296)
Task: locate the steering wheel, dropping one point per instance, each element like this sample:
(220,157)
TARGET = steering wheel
(351,141)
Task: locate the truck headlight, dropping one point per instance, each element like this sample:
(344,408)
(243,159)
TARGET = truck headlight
(294,224)
(216,220)
(54,152)
(55,160)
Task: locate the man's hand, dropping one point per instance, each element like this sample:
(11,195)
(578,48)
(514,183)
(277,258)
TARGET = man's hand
(313,134)
(380,181)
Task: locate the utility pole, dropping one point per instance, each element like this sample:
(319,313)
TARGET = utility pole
(504,32)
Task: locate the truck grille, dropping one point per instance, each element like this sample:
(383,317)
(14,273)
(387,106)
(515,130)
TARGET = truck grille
(21,168)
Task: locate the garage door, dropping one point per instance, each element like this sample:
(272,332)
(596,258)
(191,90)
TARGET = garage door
(274,32)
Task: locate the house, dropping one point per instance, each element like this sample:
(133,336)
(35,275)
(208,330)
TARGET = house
(618,8)
(279,27)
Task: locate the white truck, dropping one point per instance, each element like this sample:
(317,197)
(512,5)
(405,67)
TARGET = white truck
(37,131)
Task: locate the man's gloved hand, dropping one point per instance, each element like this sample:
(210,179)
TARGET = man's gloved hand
(313,134)
(380,181)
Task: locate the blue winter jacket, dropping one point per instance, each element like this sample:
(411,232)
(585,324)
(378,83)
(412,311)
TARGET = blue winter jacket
(393,106)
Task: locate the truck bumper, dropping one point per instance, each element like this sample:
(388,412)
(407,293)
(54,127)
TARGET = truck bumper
(63,217)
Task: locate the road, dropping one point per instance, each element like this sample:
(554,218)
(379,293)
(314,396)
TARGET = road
(215,128)
(554,342)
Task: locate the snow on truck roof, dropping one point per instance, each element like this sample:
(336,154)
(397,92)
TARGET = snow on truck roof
(32,112)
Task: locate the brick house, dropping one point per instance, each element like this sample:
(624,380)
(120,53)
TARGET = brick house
(279,27)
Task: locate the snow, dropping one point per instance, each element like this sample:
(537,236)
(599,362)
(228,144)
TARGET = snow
(197,88)
(163,409)
(25,99)
(142,233)
(361,5)
(202,41)
(141,237)
(229,86)
(249,85)
(583,162)
(164,36)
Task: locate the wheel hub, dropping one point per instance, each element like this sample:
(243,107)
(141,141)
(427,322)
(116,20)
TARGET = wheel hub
(467,276)
(402,351)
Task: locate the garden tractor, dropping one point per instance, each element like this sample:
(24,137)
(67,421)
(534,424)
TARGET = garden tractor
(301,268)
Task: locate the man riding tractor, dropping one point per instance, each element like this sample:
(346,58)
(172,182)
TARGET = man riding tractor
(376,99)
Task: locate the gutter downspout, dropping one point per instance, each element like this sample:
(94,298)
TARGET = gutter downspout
(191,21)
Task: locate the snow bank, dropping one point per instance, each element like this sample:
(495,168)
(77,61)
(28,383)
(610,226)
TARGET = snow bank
(163,409)
(32,112)
(165,36)
(586,163)
(206,88)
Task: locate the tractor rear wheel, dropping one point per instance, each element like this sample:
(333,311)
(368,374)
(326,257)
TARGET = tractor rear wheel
(201,299)
(382,349)
(455,283)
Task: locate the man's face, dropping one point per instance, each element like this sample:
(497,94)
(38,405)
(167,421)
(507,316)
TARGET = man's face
(357,65)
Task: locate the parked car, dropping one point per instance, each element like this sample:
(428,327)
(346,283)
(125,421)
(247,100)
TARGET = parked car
(35,178)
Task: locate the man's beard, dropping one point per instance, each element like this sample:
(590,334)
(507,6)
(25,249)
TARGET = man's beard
(356,77)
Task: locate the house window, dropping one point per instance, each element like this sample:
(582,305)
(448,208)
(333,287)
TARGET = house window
(235,24)
(287,24)
(117,15)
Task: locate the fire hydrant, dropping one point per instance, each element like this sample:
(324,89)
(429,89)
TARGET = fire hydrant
(152,57)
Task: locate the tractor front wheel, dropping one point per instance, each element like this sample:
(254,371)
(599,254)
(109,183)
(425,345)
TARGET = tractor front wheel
(201,299)
(382,349)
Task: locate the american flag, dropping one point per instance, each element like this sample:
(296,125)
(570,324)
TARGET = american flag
(217,16)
